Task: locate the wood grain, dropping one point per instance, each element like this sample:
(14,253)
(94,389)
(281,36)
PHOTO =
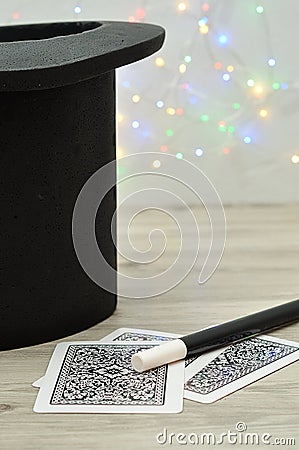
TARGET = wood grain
(259,269)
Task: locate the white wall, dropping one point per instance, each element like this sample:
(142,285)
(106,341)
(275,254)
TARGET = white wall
(260,172)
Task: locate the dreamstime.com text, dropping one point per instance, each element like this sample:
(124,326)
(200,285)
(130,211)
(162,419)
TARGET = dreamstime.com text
(239,436)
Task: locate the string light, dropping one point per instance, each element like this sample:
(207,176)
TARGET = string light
(160,104)
(202,22)
(135,124)
(222,126)
(136,98)
(191,94)
(226,77)
(182,68)
(204,29)
(222,39)
(140,13)
(258,90)
(182,7)
(170,111)
(156,164)
(77,9)
(16,15)
(199,152)
(159,62)
(263,113)
(204,118)
(120,118)
(131,19)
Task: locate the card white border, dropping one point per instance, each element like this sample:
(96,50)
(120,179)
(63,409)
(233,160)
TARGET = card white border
(173,391)
(120,331)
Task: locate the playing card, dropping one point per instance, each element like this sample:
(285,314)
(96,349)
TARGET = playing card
(128,334)
(95,377)
(236,366)
(136,334)
(38,382)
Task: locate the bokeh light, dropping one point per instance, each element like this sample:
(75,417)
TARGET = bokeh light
(135,124)
(199,152)
(136,98)
(159,62)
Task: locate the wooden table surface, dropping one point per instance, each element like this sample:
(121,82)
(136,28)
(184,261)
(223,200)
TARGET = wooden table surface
(259,269)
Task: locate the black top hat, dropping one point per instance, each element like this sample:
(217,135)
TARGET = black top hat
(57,127)
(43,56)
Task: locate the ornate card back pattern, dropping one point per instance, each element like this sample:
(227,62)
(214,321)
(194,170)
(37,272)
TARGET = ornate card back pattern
(102,374)
(235,362)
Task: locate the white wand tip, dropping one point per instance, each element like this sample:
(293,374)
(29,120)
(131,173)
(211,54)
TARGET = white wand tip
(159,355)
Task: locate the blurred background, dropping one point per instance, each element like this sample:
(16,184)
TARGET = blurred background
(222,93)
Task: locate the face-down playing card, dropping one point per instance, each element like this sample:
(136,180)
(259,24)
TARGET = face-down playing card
(142,335)
(94,377)
(136,334)
(127,334)
(237,366)
(218,373)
